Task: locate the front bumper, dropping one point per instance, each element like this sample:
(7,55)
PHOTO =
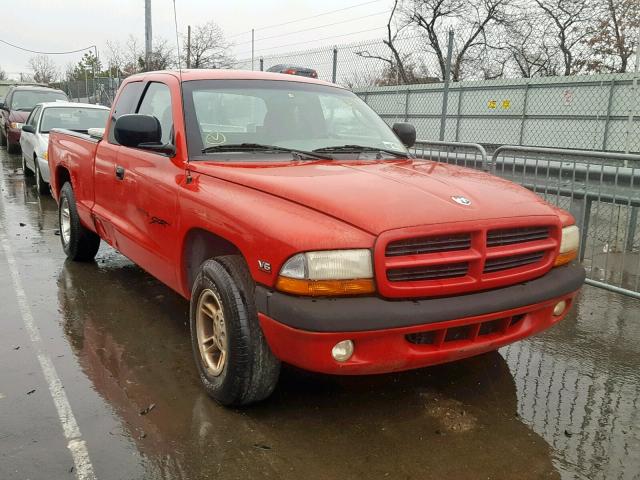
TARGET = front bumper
(302,331)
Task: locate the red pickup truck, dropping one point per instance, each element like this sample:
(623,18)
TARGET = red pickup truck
(302,230)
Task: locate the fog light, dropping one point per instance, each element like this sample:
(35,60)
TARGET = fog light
(342,351)
(559,308)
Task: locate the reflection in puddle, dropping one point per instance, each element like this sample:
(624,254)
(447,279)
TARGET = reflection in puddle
(130,336)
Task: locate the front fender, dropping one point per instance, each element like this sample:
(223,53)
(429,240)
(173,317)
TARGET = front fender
(262,226)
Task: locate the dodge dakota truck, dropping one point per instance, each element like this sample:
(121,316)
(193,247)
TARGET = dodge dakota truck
(302,230)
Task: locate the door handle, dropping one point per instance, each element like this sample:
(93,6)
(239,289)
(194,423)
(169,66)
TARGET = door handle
(119,172)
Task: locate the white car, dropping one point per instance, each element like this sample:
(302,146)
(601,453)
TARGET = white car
(34,140)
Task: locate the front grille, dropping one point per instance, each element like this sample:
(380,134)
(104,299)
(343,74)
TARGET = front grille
(513,261)
(432,272)
(465,333)
(445,260)
(422,245)
(510,236)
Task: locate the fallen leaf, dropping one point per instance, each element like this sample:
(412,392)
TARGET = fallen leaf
(148,409)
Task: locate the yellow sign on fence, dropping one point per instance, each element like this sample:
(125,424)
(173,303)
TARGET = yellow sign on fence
(493,104)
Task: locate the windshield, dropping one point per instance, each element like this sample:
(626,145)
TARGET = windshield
(293,115)
(72,118)
(27,99)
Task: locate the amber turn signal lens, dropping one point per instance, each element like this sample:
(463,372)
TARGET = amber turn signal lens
(325,288)
(564,258)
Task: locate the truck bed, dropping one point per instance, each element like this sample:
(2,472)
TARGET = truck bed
(72,158)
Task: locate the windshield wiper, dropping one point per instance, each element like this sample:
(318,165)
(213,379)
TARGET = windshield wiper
(258,147)
(361,148)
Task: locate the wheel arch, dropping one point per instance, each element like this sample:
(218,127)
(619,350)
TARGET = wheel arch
(62,176)
(198,246)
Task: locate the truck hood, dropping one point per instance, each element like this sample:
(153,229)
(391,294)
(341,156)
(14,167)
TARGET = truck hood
(380,196)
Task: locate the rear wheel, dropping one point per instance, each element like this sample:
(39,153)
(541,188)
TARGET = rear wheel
(234,361)
(41,185)
(78,243)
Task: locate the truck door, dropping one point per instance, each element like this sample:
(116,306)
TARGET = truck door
(150,234)
(111,193)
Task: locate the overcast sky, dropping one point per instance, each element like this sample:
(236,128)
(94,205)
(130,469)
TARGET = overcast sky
(61,25)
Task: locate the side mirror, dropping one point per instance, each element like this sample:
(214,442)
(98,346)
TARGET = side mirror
(2,106)
(406,132)
(28,129)
(133,130)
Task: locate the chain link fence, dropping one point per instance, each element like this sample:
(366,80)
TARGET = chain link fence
(405,83)
(100,90)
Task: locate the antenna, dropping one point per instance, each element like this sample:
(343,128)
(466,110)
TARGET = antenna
(184,121)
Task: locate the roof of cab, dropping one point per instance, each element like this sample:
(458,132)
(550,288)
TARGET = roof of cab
(223,74)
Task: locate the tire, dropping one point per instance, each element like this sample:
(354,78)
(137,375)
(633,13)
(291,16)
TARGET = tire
(250,370)
(25,169)
(41,185)
(12,147)
(3,138)
(78,243)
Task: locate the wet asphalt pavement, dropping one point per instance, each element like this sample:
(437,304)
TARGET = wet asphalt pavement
(564,404)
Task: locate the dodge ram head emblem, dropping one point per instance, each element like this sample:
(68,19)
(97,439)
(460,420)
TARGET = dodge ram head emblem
(461,200)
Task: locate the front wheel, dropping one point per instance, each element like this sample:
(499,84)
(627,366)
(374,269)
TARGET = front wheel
(78,243)
(41,185)
(3,138)
(234,361)
(25,168)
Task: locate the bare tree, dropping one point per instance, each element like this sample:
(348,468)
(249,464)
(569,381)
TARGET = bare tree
(209,48)
(530,44)
(471,19)
(162,57)
(116,58)
(570,21)
(44,70)
(614,36)
(3,74)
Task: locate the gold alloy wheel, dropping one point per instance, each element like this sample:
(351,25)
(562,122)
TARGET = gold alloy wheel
(211,332)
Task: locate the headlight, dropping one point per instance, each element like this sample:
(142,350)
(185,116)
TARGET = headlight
(328,273)
(16,125)
(45,155)
(568,245)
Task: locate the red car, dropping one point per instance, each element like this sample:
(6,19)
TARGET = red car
(302,230)
(18,104)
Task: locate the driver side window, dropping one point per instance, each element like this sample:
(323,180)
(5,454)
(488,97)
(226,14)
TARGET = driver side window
(157,102)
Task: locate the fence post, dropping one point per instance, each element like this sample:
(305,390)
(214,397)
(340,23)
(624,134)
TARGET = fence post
(445,92)
(631,230)
(605,136)
(261,64)
(335,64)
(460,94)
(406,106)
(524,112)
(632,109)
